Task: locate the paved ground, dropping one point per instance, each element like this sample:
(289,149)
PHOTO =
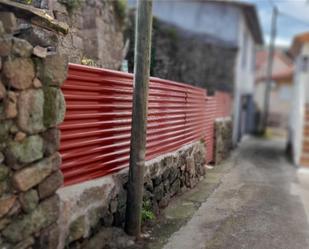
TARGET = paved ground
(256,200)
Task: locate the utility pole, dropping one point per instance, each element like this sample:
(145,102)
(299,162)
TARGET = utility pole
(271,52)
(139,117)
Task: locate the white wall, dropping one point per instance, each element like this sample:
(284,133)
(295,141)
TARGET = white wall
(301,97)
(244,71)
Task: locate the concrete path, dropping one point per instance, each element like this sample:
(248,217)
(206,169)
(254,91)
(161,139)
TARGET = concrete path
(258,201)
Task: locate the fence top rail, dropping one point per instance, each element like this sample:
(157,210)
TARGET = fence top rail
(110,72)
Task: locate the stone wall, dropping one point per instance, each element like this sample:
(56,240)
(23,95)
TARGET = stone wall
(92,206)
(184,56)
(31,107)
(96,30)
(223,138)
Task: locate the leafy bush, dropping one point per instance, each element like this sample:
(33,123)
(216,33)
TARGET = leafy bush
(147,213)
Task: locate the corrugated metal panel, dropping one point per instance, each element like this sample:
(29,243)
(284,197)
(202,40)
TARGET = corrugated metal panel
(96,132)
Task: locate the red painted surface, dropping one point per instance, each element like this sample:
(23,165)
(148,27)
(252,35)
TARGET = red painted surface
(95,135)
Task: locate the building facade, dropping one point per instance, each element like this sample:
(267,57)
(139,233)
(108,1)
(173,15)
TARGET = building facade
(281,95)
(299,123)
(230,21)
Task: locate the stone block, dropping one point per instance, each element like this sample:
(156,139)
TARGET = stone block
(29,177)
(11,105)
(157,180)
(54,70)
(175,187)
(5,46)
(30,111)
(48,238)
(77,229)
(1,157)
(51,141)
(148,184)
(164,201)
(19,72)
(29,200)
(147,195)
(95,215)
(2,91)
(6,203)
(24,226)
(50,184)
(4,187)
(4,222)
(20,136)
(119,217)
(2,31)
(5,126)
(108,219)
(54,107)
(40,51)
(158,192)
(8,20)
(25,244)
(26,151)
(174,173)
(4,172)
(37,83)
(166,173)
(190,166)
(21,47)
(113,205)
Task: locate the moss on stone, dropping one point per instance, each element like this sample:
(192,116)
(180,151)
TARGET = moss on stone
(27,151)
(54,107)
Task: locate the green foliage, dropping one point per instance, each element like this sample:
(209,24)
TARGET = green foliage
(147,213)
(88,62)
(120,8)
(24,1)
(71,5)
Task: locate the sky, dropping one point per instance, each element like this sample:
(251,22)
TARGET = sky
(287,27)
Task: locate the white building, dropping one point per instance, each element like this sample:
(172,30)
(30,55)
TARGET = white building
(299,123)
(231,21)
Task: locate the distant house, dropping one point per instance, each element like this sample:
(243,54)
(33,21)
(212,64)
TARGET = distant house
(299,125)
(281,95)
(230,22)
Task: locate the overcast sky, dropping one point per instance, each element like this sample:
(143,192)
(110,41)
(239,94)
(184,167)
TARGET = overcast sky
(287,27)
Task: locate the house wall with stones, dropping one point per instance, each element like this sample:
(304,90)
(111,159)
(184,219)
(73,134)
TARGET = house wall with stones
(185,56)
(223,138)
(95,34)
(31,107)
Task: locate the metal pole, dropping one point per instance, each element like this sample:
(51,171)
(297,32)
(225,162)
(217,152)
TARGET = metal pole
(139,117)
(270,66)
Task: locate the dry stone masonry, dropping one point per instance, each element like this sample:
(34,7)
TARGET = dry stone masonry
(90,211)
(31,107)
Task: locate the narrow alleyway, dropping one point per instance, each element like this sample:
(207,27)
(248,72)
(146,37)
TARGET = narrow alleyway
(259,203)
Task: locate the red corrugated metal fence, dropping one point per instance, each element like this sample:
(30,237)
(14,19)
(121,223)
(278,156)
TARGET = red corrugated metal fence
(95,135)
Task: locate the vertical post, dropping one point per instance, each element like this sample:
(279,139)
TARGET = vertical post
(270,66)
(139,117)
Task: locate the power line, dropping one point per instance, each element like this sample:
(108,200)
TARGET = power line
(281,13)
(294,18)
